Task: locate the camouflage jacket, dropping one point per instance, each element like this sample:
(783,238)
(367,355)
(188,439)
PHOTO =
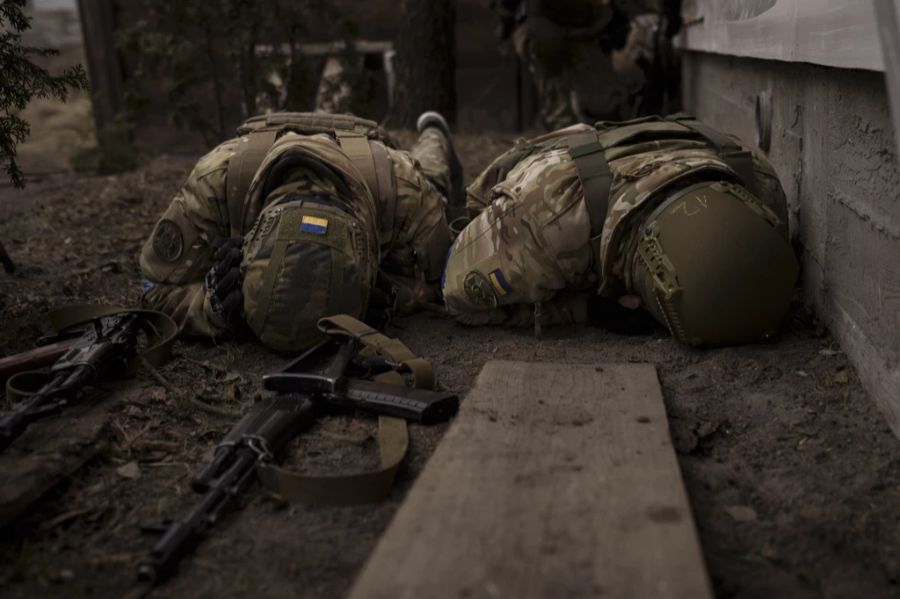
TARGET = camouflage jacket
(178,254)
(533,227)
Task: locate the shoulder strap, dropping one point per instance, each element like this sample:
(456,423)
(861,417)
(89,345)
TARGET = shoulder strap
(736,157)
(374,163)
(393,437)
(241,169)
(589,156)
(387,191)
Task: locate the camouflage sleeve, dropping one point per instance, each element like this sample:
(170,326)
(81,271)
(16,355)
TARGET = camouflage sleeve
(422,237)
(531,243)
(478,194)
(178,254)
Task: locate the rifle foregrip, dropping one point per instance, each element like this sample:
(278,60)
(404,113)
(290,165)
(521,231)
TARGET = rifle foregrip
(417,405)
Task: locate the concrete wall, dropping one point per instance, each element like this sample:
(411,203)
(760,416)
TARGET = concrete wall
(833,146)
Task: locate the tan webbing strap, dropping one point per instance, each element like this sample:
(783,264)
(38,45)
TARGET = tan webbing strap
(358,150)
(387,193)
(737,158)
(242,168)
(345,489)
(633,133)
(596,178)
(392,349)
(307,123)
(160,329)
(374,164)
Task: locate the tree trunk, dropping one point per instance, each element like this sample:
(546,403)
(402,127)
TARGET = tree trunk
(425,61)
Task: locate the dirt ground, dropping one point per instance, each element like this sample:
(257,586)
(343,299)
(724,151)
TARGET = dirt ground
(793,475)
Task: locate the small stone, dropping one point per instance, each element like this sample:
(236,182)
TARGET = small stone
(841,377)
(741,513)
(802,373)
(131,471)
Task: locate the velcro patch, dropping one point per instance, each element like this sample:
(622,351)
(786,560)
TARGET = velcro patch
(499,282)
(479,291)
(168,242)
(314,225)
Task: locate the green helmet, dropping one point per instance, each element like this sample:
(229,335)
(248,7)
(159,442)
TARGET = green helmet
(714,265)
(305,258)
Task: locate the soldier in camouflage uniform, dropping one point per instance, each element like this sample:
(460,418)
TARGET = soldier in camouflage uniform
(590,59)
(301,217)
(668,214)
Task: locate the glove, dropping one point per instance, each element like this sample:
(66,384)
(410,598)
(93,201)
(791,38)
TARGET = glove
(382,302)
(223,281)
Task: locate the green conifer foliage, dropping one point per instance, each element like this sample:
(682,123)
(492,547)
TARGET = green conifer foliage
(21,80)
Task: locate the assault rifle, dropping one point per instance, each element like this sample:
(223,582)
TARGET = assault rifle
(105,349)
(322,378)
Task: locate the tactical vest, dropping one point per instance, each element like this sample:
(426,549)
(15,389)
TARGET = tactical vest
(362,140)
(591,149)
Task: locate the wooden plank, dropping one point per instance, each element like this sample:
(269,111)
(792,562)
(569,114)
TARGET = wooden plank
(555,480)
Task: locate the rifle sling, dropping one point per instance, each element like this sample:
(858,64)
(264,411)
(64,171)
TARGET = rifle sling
(392,349)
(344,489)
(393,437)
(160,329)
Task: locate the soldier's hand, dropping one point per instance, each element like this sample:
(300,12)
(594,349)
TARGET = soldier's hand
(223,281)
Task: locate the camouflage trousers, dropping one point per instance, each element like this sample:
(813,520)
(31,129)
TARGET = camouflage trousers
(432,152)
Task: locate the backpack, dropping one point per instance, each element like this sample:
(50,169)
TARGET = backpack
(362,140)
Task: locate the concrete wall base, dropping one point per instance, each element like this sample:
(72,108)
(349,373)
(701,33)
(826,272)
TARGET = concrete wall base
(833,146)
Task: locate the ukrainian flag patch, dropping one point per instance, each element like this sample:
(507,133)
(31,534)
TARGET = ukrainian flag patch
(314,225)
(499,282)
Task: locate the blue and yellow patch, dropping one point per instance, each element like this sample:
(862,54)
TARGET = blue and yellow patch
(314,225)
(499,282)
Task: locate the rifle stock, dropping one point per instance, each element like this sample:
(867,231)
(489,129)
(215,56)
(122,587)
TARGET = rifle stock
(34,358)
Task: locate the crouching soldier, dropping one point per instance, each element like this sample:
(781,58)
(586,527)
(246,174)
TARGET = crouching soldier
(302,216)
(592,59)
(586,224)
